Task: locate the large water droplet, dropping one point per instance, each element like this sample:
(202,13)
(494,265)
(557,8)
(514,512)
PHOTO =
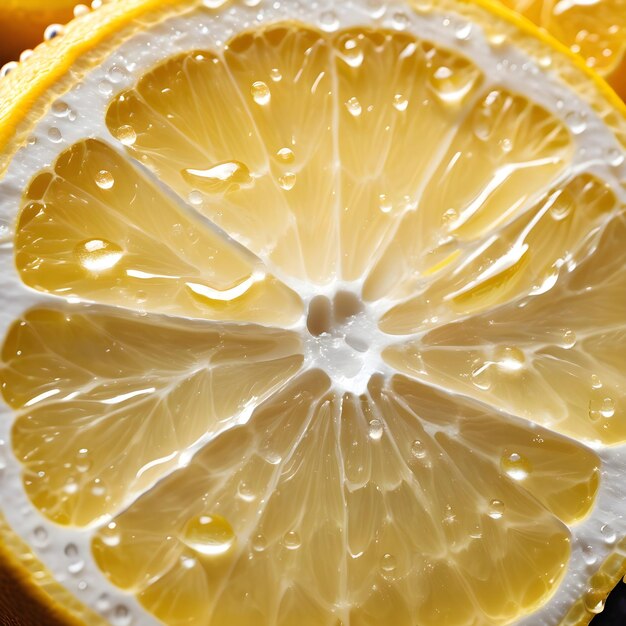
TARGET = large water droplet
(286,155)
(418,449)
(351,53)
(98,255)
(104,179)
(222,177)
(515,465)
(292,540)
(126,135)
(388,563)
(210,535)
(509,358)
(496,509)
(287,181)
(261,93)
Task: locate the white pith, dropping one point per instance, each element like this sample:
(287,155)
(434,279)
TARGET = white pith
(90,99)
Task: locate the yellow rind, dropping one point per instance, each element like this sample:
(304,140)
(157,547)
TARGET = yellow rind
(26,583)
(28,90)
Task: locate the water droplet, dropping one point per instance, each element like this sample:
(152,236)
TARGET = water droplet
(210,535)
(496,509)
(388,563)
(481,377)
(105,88)
(418,449)
(568,339)
(287,181)
(607,408)
(354,107)
(286,155)
(71,550)
(82,585)
(594,601)
(400,20)
(609,534)
(117,74)
(121,616)
(376,8)
(463,31)
(54,135)
(375,430)
(126,135)
(292,540)
(60,109)
(222,177)
(400,102)
(351,53)
(103,602)
(82,462)
(506,145)
(451,86)
(80,10)
(110,535)
(7,68)
(97,255)
(40,537)
(76,567)
(52,31)
(188,562)
(97,488)
(596,383)
(449,218)
(509,358)
(562,206)
(245,492)
(515,465)
(104,179)
(195,198)
(615,157)
(329,21)
(384,203)
(577,121)
(261,93)
(259,543)
(588,556)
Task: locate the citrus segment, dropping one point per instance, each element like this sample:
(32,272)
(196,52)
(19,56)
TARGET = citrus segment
(375,468)
(251,241)
(524,355)
(95,228)
(129,398)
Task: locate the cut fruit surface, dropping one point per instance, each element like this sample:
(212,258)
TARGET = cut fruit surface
(319,324)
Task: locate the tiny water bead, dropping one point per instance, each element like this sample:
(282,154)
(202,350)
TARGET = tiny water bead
(245,492)
(418,449)
(515,465)
(608,533)
(40,537)
(110,535)
(259,543)
(52,31)
(261,93)
(82,462)
(351,53)
(594,600)
(329,21)
(354,107)
(496,509)
(276,75)
(400,102)
(104,179)
(577,121)
(600,407)
(121,616)
(210,535)
(388,563)
(188,562)
(589,557)
(7,68)
(54,135)
(385,203)
(568,339)
(98,255)
(292,540)
(376,429)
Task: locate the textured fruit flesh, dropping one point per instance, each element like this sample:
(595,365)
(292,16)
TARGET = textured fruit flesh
(231,484)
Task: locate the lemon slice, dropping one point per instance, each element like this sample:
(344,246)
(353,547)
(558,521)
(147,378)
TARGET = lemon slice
(595,30)
(313,314)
